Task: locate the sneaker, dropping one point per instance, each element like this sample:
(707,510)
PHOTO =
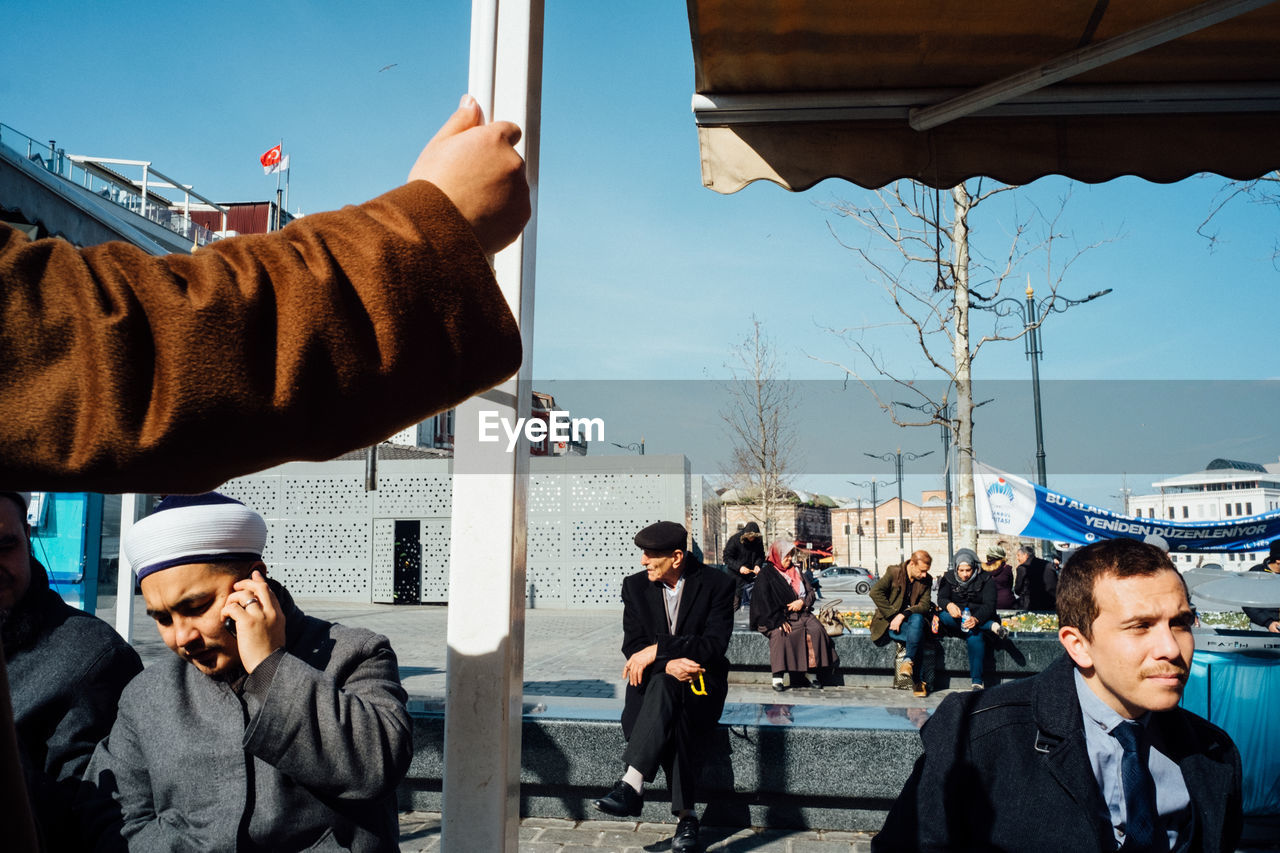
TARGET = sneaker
(977,685)
(921,689)
(999,630)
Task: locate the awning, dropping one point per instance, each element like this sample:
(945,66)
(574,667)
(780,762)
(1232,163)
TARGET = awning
(795,91)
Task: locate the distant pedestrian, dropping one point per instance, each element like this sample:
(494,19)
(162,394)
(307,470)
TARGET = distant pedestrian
(743,557)
(1002,575)
(1035,581)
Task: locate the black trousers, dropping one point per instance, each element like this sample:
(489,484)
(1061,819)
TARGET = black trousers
(666,735)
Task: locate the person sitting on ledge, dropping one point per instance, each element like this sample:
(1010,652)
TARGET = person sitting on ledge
(782,610)
(902,597)
(967,598)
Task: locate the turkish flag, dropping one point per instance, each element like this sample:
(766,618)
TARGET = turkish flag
(270,158)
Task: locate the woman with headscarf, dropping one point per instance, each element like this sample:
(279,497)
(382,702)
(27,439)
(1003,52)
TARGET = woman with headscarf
(967,598)
(782,610)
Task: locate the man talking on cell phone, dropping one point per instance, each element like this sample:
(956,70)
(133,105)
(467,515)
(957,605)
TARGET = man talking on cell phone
(269,730)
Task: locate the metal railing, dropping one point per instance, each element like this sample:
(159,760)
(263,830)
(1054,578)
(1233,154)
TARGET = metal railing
(137,196)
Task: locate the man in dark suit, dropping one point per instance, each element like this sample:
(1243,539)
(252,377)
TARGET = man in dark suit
(1094,753)
(1035,581)
(677,616)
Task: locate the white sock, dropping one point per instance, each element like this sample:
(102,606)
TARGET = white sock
(634,778)
(777,680)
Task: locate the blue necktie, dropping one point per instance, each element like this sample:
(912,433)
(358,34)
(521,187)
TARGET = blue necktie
(1141,820)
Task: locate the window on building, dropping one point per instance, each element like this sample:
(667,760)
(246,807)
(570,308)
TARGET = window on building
(848,529)
(944,527)
(906,525)
(890,523)
(1238,512)
(1248,508)
(1186,512)
(1171,512)
(1226,510)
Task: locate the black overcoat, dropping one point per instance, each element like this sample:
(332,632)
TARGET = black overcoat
(1007,769)
(703,625)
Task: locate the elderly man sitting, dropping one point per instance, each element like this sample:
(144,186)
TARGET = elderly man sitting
(269,729)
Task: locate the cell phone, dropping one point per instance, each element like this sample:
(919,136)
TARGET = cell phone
(230,625)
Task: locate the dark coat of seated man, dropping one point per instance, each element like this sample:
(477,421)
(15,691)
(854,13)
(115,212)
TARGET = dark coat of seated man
(676,620)
(1092,754)
(66,668)
(268,729)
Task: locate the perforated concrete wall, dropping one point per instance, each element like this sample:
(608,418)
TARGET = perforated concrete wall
(328,537)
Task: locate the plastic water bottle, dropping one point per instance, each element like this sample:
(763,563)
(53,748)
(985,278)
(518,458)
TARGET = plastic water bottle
(964,617)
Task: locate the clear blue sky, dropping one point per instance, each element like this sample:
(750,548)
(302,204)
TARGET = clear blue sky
(642,272)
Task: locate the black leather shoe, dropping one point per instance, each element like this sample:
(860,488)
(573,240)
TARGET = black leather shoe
(622,801)
(686,837)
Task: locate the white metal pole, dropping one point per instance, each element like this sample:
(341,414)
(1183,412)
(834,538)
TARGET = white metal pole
(129,513)
(485,661)
(143,206)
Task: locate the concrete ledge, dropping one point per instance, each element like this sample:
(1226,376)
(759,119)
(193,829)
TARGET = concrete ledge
(862,662)
(816,767)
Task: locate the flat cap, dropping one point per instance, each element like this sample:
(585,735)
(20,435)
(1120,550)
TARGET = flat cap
(663,536)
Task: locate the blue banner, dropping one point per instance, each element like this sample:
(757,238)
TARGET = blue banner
(1013,505)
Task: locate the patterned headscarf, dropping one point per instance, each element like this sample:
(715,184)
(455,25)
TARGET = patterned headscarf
(778,552)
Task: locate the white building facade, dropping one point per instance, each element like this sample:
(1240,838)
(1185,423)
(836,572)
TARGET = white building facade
(1226,489)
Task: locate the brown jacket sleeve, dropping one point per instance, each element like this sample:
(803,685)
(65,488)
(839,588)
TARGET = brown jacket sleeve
(121,371)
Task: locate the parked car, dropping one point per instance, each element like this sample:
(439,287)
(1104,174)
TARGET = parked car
(846,579)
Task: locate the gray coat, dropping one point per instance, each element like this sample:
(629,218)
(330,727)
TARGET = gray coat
(307,757)
(66,671)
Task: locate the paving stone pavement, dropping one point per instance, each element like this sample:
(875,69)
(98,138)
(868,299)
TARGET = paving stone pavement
(420,831)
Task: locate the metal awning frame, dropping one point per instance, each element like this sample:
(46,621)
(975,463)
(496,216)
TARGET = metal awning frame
(1027,93)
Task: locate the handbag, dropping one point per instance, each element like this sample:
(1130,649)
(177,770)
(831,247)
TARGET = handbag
(830,620)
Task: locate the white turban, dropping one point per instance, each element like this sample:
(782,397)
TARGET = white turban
(185,529)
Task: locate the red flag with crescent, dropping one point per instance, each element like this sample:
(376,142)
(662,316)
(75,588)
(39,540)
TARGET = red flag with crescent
(270,158)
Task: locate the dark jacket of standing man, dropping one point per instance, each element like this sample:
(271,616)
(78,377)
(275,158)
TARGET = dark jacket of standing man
(1042,763)
(1035,581)
(676,619)
(1267,617)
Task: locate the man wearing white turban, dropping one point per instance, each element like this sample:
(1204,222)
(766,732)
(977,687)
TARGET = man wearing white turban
(270,729)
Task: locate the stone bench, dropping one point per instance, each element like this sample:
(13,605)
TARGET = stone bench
(783,766)
(864,663)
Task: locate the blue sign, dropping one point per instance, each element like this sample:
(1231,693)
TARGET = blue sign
(1013,505)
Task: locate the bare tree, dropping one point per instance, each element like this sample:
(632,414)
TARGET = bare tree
(1264,191)
(758,420)
(921,251)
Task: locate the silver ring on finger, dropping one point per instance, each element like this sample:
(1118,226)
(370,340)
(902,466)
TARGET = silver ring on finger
(249,603)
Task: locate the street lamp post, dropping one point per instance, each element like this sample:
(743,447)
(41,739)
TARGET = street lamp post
(637,446)
(875,524)
(896,457)
(1033,314)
